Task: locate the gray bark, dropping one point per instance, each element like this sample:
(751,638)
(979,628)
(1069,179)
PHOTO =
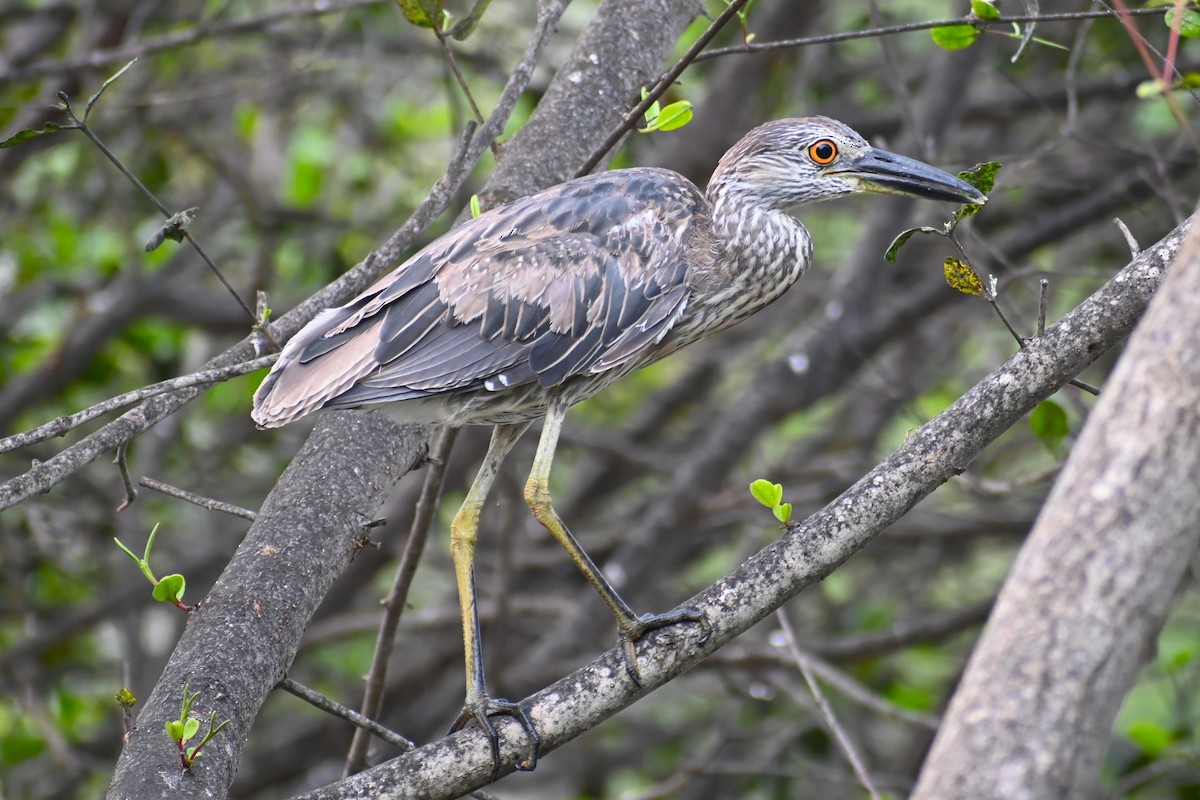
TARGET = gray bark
(241,639)
(1078,617)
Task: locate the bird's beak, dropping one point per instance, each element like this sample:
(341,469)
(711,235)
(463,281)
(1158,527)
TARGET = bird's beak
(882,172)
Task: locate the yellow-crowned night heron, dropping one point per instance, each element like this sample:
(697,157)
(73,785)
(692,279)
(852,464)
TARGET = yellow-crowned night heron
(537,305)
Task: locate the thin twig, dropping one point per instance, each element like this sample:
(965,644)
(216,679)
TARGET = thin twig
(998,488)
(452,62)
(126,481)
(993,300)
(909,27)
(1134,247)
(60,426)
(196,499)
(661,87)
(1043,301)
(335,708)
(1163,77)
(322,702)
(397,597)
(855,691)
(183,38)
(822,704)
(81,125)
(127,725)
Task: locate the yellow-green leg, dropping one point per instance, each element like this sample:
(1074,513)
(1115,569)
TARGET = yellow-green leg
(463,536)
(537,494)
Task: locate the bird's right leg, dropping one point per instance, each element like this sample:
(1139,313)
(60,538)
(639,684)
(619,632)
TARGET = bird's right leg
(631,626)
(463,535)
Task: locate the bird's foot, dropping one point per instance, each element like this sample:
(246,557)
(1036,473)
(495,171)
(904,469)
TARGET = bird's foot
(480,709)
(639,627)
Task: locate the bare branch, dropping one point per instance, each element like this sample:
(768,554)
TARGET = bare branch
(397,597)
(359,721)
(830,719)
(183,38)
(892,30)
(63,425)
(191,497)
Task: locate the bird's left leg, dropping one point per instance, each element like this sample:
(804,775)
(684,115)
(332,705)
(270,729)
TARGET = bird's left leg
(463,535)
(537,494)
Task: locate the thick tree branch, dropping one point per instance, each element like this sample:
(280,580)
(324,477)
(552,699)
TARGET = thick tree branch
(804,555)
(241,638)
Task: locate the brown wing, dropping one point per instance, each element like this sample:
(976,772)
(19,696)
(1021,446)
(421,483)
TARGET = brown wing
(577,279)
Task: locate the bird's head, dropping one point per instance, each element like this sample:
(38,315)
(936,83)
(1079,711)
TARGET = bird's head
(791,162)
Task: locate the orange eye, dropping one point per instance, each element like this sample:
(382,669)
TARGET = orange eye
(823,152)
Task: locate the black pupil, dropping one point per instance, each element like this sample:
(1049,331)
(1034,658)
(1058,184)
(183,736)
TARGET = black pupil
(824,151)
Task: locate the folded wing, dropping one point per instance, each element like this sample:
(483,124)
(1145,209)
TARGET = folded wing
(576,280)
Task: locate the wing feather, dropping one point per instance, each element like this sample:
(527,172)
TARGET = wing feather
(579,279)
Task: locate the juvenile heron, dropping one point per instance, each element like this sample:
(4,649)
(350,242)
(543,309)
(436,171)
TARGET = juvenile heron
(537,305)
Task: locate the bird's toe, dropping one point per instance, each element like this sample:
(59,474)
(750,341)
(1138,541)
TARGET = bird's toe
(481,709)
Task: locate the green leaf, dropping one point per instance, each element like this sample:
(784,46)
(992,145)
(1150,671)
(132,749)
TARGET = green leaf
(462,29)
(175,729)
(651,116)
(1049,423)
(961,277)
(1148,89)
(169,589)
(190,728)
(476,210)
(984,9)
(304,183)
(657,118)
(1189,22)
(422,13)
(674,116)
(1178,660)
(767,493)
(1050,44)
(954,37)
(1151,738)
(143,561)
(126,699)
(104,86)
(128,552)
(21,136)
(172,229)
(783,512)
(898,242)
(189,697)
(983,178)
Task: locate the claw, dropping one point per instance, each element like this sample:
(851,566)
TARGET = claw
(480,709)
(648,622)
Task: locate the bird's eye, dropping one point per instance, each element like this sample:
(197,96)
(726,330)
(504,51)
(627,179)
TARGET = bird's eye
(823,152)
